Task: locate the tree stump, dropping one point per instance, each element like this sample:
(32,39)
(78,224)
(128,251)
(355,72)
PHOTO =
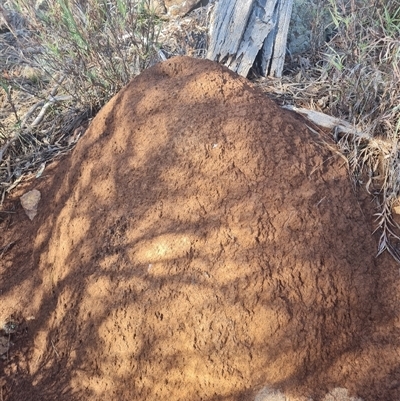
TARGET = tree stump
(250,33)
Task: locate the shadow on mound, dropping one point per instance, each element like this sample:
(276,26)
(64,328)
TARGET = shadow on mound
(200,244)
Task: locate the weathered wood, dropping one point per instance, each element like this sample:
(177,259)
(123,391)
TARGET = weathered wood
(326,121)
(245,32)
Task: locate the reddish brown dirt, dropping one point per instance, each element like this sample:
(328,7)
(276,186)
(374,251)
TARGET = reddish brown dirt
(199,243)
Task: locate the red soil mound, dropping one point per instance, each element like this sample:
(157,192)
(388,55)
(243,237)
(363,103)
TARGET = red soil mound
(198,244)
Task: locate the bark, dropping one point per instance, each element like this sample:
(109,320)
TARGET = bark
(247,33)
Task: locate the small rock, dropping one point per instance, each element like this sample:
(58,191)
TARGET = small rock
(29,202)
(340,394)
(268,394)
